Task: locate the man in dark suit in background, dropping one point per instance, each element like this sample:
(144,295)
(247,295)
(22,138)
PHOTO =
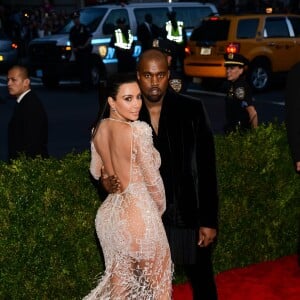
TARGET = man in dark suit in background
(28,127)
(147,32)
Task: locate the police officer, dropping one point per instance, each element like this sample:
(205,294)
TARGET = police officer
(239,107)
(176,33)
(122,41)
(80,38)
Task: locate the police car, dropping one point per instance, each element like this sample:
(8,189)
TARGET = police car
(51,56)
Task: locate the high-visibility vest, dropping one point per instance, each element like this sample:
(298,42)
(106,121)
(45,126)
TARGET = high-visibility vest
(175,35)
(121,40)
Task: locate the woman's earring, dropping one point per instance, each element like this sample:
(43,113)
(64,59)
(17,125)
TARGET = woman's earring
(113,109)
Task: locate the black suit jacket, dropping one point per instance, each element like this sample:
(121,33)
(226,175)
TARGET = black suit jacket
(145,36)
(186,145)
(28,128)
(293,111)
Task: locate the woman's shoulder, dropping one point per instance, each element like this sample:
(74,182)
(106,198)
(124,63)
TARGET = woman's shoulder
(142,125)
(142,128)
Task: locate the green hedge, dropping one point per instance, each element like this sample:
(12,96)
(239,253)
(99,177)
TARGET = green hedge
(48,246)
(259,193)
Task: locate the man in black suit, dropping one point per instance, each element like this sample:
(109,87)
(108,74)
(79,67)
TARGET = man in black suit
(184,139)
(28,127)
(147,32)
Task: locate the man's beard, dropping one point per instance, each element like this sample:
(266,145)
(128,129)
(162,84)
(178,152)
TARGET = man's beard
(154,97)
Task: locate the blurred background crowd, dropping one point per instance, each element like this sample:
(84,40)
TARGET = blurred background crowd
(22,24)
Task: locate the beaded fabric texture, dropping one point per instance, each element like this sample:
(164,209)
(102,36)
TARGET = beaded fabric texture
(130,230)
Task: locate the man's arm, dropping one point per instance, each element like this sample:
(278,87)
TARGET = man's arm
(111,184)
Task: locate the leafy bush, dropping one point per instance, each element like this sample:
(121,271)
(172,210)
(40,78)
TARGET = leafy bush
(48,246)
(47,211)
(259,198)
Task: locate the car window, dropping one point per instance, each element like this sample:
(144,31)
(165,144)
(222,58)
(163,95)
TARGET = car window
(90,17)
(192,16)
(216,30)
(276,27)
(159,15)
(296,25)
(111,20)
(247,28)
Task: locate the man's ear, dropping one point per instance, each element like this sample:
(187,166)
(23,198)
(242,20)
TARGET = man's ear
(27,82)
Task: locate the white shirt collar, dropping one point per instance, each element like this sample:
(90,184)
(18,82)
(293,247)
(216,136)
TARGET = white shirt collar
(22,95)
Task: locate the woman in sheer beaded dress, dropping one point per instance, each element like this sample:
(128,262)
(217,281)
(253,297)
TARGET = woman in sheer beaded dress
(128,223)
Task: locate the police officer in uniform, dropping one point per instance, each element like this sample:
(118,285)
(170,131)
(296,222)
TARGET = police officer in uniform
(239,106)
(80,38)
(175,32)
(122,41)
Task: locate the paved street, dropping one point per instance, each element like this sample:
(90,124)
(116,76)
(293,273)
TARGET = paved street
(72,113)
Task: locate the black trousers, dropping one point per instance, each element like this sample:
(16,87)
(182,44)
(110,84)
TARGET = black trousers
(195,261)
(201,276)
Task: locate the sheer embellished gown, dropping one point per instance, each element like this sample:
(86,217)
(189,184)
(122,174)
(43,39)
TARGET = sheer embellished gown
(128,224)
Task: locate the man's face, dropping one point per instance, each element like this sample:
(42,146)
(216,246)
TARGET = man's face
(153,77)
(17,84)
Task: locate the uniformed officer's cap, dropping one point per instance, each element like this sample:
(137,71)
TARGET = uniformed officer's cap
(121,21)
(233,59)
(75,14)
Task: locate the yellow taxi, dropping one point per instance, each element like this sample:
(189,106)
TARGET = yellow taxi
(271,43)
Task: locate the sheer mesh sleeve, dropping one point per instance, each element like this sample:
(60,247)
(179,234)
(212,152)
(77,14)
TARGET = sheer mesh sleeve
(96,163)
(148,158)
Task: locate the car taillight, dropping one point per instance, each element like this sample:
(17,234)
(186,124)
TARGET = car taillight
(14,46)
(187,51)
(233,48)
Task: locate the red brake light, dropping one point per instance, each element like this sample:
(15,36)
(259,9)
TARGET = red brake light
(233,48)
(213,18)
(14,46)
(187,51)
